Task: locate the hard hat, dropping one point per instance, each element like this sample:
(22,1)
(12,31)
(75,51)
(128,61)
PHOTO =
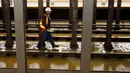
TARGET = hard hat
(48,9)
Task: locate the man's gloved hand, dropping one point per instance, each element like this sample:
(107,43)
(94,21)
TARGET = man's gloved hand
(50,30)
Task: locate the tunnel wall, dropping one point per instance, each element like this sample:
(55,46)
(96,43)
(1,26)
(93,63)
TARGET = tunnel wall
(63,13)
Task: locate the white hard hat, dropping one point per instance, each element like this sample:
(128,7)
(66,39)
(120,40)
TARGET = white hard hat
(48,9)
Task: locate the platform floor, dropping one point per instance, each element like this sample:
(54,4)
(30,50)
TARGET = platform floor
(68,63)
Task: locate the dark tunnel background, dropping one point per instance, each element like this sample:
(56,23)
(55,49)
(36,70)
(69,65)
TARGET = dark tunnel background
(63,13)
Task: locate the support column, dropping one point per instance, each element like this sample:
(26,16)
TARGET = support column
(94,13)
(47,3)
(40,15)
(3,13)
(40,11)
(87,36)
(19,13)
(107,45)
(70,12)
(74,44)
(7,22)
(26,12)
(118,12)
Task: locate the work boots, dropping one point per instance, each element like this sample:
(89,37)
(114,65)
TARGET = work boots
(55,46)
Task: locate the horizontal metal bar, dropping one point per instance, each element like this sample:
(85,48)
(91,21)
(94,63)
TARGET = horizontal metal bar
(97,27)
(69,53)
(11,70)
(69,38)
(108,72)
(14,70)
(65,24)
(79,31)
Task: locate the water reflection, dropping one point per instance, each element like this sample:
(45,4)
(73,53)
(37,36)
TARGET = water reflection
(2,64)
(34,65)
(110,65)
(71,63)
(15,65)
(53,63)
(58,63)
(7,62)
(59,66)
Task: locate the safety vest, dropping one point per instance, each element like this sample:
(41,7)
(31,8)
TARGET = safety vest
(41,24)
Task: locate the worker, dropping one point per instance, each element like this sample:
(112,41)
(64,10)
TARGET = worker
(45,23)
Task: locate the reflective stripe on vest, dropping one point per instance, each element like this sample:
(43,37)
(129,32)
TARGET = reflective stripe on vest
(46,19)
(41,25)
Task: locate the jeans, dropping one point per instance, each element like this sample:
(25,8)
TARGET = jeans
(45,35)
